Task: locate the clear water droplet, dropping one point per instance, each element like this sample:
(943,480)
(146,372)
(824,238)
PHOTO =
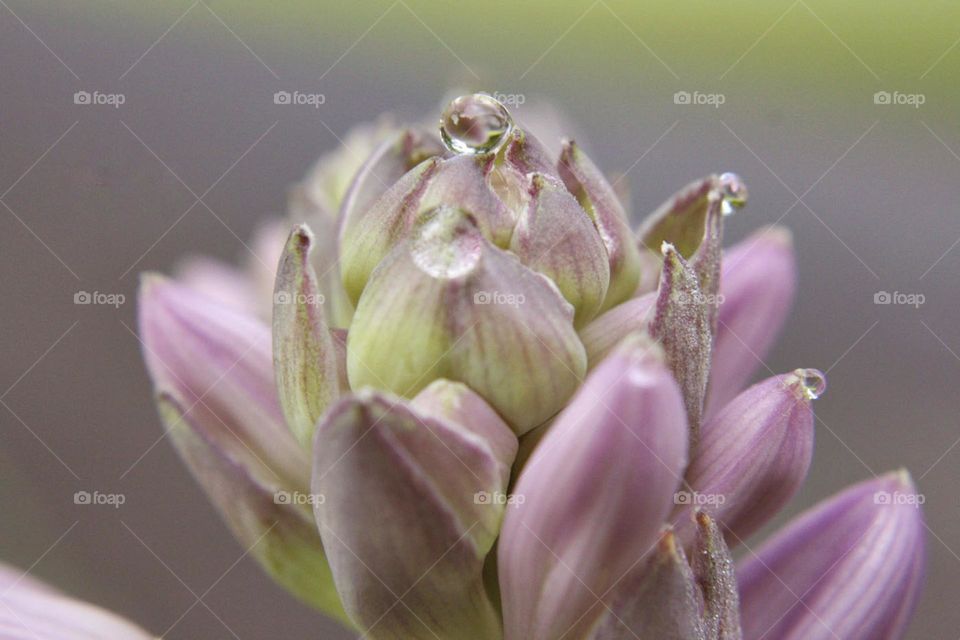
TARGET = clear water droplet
(812,382)
(474,124)
(446,243)
(733,190)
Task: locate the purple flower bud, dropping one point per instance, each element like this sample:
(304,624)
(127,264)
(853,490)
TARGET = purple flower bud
(752,457)
(595,493)
(851,567)
(597,197)
(411,505)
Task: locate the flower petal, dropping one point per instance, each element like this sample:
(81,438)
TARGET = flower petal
(458,307)
(304,355)
(752,457)
(597,197)
(757,286)
(555,237)
(410,510)
(271,520)
(595,493)
(604,333)
(219,360)
(30,610)
(851,567)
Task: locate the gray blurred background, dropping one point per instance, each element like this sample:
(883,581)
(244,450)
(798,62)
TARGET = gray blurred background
(92,194)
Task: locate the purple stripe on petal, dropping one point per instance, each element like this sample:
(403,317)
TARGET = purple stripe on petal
(852,567)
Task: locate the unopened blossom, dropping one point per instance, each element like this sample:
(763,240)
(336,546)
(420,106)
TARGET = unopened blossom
(487,405)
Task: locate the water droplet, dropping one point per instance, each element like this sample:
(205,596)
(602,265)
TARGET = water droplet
(733,190)
(475,123)
(446,243)
(812,382)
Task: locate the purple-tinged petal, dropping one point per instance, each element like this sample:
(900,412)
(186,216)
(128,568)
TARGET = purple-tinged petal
(219,281)
(460,308)
(604,333)
(30,610)
(851,567)
(752,457)
(713,568)
(597,197)
(304,355)
(219,360)
(391,159)
(456,402)
(555,236)
(411,506)
(757,286)
(270,519)
(660,600)
(459,182)
(593,496)
(681,322)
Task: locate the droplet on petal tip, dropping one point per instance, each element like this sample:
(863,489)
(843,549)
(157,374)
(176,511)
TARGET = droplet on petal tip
(810,383)
(475,124)
(734,192)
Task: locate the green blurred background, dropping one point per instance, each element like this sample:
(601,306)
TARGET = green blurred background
(94,194)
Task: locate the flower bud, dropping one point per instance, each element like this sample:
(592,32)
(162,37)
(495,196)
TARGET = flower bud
(595,493)
(446,303)
(556,237)
(212,371)
(458,182)
(415,498)
(597,197)
(752,457)
(851,567)
(304,356)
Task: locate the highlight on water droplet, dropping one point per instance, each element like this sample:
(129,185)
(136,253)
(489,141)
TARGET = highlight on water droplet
(812,382)
(474,124)
(733,190)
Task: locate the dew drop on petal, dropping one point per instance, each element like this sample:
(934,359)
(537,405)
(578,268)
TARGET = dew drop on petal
(446,243)
(812,382)
(733,190)
(474,124)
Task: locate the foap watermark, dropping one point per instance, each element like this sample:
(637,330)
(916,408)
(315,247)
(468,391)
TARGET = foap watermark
(699,98)
(509,99)
(899,298)
(298,498)
(684,298)
(114,300)
(897,98)
(499,498)
(695,499)
(299,98)
(498,297)
(98,98)
(285,297)
(115,500)
(897,498)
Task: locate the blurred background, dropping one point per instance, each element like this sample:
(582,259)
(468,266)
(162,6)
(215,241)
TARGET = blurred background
(842,117)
